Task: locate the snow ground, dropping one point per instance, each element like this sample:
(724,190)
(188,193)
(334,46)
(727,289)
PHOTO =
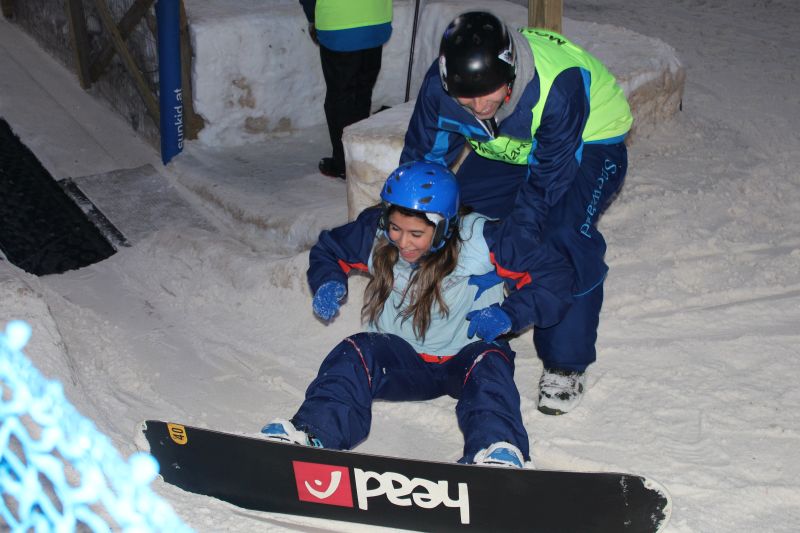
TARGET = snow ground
(210,323)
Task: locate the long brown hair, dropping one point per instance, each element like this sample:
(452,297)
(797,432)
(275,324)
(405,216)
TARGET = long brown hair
(424,287)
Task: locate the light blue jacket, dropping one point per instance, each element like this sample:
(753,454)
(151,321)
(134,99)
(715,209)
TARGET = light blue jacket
(446,335)
(539,294)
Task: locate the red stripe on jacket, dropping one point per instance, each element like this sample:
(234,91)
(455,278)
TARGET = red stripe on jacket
(347,267)
(522,278)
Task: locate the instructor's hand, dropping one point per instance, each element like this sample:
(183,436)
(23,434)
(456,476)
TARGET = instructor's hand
(484,281)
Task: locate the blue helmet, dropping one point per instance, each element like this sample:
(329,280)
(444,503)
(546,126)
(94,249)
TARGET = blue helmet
(429,188)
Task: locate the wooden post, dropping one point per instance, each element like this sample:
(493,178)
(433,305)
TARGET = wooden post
(8,8)
(545,14)
(80,41)
(192,121)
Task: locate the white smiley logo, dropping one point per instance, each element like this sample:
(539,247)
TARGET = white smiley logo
(336,478)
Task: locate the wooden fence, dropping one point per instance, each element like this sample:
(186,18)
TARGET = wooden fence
(92,66)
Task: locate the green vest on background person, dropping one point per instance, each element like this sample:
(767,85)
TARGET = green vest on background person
(349,25)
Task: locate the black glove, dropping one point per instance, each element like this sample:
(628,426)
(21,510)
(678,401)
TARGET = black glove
(312,32)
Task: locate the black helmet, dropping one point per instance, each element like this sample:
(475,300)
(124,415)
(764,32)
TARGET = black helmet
(476,56)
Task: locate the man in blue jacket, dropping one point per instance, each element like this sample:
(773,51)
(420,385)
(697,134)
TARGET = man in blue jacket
(546,124)
(351,35)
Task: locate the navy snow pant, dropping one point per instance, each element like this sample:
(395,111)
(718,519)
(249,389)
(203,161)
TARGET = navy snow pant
(490,187)
(373,366)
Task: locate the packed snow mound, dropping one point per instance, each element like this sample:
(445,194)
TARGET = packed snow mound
(23,297)
(265,76)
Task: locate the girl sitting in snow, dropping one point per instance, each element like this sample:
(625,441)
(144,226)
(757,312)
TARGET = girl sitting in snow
(422,307)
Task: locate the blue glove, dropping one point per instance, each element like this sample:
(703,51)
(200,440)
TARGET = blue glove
(484,281)
(489,323)
(327,299)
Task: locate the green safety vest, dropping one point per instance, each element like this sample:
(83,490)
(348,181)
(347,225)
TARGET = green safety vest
(609,113)
(346,14)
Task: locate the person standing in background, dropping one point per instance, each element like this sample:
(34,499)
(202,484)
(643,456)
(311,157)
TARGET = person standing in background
(350,35)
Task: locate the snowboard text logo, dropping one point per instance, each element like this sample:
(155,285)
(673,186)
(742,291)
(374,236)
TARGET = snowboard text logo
(321,483)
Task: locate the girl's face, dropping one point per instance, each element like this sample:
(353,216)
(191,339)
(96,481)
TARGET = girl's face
(411,235)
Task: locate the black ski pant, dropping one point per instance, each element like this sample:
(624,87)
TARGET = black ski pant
(349,78)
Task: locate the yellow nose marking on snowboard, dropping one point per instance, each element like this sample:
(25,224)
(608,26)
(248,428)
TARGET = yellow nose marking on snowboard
(177,433)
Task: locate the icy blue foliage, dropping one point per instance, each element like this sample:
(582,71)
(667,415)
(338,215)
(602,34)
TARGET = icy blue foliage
(57,471)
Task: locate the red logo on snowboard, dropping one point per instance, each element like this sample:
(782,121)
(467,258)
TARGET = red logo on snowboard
(318,483)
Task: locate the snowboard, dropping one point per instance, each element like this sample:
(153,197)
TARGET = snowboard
(263,475)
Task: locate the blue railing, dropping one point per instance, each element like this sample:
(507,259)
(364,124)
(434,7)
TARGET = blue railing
(57,471)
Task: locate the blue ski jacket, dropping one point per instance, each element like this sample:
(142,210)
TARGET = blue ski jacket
(539,295)
(566,82)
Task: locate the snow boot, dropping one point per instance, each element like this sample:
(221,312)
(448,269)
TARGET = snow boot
(282,430)
(328,167)
(499,454)
(560,391)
